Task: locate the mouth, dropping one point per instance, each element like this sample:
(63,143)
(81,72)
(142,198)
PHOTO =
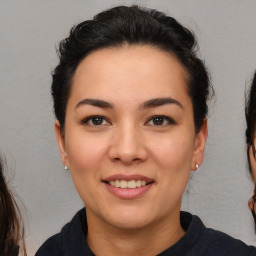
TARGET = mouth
(128,187)
(131,184)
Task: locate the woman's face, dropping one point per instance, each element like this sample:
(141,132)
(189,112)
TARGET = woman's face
(129,123)
(252,157)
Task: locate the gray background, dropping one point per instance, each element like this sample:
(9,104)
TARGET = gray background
(29,32)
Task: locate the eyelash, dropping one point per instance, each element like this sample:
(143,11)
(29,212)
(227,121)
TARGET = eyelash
(93,118)
(164,120)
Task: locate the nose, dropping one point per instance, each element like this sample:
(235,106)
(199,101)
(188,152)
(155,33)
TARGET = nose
(128,145)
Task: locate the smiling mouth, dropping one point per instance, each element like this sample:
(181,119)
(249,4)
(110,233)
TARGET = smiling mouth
(128,183)
(128,186)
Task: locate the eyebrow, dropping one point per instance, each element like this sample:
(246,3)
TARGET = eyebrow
(94,102)
(157,102)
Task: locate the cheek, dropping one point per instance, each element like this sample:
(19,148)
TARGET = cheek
(85,153)
(86,159)
(173,157)
(254,174)
(174,152)
(253,165)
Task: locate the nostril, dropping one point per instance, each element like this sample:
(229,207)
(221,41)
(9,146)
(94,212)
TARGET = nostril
(136,159)
(127,159)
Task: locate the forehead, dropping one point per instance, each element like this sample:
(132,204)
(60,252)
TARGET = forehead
(130,70)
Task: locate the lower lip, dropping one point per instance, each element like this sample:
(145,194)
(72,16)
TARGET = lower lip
(128,193)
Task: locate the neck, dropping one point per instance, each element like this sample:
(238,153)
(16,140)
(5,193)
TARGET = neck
(107,240)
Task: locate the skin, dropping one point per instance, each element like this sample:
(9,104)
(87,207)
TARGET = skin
(252,205)
(128,142)
(253,163)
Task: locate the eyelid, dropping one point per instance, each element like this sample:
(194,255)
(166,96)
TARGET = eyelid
(89,118)
(169,120)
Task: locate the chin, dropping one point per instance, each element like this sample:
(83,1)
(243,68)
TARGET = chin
(132,218)
(129,223)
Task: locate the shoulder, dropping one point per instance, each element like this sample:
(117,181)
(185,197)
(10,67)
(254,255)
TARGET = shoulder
(212,242)
(52,247)
(70,235)
(227,245)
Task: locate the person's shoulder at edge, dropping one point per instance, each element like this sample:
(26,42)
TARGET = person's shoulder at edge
(54,245)
(214,242)
(202,241)
(51,246)
(228,245)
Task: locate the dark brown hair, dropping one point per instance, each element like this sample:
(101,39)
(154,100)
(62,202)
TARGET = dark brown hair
(133,26)
(11,225)
(250,114)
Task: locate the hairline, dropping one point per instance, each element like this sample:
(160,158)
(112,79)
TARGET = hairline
(125,43)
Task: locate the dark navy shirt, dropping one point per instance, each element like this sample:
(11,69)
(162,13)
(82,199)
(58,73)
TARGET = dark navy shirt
(198,240)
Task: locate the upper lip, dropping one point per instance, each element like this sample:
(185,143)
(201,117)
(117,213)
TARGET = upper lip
(128,177)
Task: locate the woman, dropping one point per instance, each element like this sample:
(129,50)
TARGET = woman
(250,114)
(130,98)
(11,228)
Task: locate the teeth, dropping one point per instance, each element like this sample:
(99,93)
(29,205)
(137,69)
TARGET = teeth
(131,184)
(127,184)
(138,183)
(123,184)
(117,184)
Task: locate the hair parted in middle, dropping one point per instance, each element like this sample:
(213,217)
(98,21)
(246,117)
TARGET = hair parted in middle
(131,26)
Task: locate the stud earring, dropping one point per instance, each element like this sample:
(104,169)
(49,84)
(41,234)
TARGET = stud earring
(197,166)
(66,168)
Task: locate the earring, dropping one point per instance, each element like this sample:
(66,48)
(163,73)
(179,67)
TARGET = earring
(66,168)
(197,166)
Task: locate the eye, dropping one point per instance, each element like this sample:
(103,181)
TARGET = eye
(95,121)
(160,121)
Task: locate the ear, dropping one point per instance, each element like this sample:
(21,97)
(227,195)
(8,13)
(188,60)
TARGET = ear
(199,146)
(253,164)
(250,203)
(61,143)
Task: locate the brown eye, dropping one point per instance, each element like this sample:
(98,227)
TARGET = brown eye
(160,121)
(95,121)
